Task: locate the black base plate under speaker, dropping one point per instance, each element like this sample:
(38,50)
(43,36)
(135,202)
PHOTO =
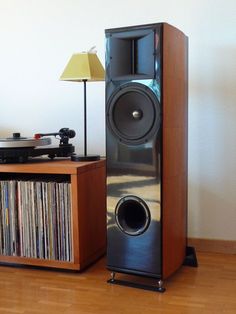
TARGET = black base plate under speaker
(136,285)
(191,257)
(85,158)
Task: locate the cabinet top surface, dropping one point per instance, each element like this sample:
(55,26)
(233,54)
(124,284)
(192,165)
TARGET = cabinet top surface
(52,166)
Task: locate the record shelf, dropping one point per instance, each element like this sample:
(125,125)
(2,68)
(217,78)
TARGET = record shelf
(87,223)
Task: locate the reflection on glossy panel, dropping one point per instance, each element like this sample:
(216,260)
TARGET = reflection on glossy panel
(134,171)
(145,187)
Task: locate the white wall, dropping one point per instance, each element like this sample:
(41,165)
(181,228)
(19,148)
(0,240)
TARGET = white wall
(37,39)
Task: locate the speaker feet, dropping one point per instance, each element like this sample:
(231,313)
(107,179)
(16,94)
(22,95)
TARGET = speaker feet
(158,288)
(112,276)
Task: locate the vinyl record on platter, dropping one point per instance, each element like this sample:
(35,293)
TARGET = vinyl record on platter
(23,142)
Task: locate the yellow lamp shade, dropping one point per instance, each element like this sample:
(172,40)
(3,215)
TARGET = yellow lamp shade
(83,66)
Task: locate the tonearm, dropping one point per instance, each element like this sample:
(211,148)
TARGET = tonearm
(64,133)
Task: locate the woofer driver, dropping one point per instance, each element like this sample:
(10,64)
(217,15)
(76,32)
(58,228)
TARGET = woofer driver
(133,113)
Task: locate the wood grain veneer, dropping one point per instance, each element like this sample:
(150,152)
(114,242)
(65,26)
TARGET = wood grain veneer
(174,150)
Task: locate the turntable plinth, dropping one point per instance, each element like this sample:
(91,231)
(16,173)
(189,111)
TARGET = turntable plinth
(88,205)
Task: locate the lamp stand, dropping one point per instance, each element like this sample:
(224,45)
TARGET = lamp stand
(85,157)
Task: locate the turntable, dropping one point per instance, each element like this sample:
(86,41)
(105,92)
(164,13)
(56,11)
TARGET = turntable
(18,149)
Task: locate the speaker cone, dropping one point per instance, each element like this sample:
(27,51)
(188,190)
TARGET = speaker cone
(133,113)
(132,215)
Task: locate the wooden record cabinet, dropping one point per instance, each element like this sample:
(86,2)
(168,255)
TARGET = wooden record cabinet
(87,198)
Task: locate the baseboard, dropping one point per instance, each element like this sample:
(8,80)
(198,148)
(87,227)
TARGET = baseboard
(213,245)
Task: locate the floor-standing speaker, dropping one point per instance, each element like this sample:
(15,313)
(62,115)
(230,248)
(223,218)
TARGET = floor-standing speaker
(146,149)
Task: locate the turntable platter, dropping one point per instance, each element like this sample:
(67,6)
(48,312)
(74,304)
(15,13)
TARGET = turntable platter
(23,142)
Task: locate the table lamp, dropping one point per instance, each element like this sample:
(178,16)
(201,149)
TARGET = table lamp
(84,67)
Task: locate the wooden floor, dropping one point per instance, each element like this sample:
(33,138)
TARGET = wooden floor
(210,288)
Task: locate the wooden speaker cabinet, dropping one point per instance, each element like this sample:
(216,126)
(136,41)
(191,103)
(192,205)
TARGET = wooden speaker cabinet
(147,143)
